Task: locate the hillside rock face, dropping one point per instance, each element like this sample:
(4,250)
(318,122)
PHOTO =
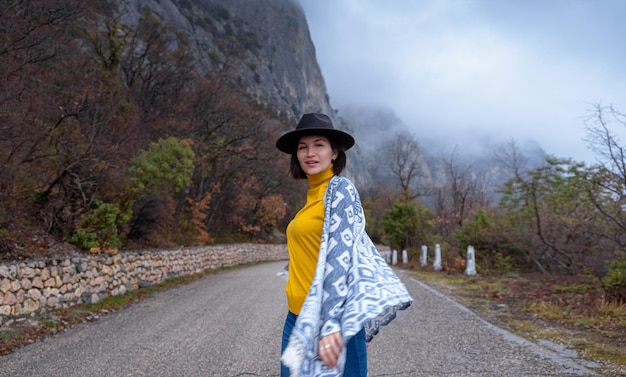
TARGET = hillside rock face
(264,47)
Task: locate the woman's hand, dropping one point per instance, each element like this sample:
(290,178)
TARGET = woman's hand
(329,348)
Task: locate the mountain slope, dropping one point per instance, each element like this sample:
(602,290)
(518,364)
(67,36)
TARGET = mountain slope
(264,46)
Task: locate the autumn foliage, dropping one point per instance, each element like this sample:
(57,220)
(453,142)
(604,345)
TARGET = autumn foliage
(110,138)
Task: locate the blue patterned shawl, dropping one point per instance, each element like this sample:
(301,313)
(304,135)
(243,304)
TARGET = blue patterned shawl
(353,286)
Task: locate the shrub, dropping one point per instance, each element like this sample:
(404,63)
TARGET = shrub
(614,281)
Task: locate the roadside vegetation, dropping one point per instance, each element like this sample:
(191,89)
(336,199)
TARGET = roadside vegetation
(567,315)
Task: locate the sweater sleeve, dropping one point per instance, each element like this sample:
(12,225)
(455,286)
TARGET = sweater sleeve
(345,222)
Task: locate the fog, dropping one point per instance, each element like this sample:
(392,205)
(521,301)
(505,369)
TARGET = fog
(475,73)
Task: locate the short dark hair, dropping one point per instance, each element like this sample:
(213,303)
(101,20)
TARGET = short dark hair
(295,170)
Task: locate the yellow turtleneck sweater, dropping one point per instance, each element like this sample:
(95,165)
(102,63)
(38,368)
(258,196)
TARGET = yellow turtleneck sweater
(304,235)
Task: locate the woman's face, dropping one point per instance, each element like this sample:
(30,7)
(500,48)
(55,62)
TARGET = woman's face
(315,154)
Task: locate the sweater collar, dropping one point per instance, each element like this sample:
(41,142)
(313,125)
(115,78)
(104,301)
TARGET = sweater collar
(318,179)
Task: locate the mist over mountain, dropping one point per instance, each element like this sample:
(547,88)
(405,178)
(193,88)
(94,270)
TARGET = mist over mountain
(265,49)
(375,128)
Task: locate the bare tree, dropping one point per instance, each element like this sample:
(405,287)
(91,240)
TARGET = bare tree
(509,156)
(403,156)
(463,190)
(603,140)
(609,180)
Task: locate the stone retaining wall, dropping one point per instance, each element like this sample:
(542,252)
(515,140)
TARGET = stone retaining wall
(30,286)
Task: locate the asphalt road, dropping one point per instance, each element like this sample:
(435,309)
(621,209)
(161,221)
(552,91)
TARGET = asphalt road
(230,323)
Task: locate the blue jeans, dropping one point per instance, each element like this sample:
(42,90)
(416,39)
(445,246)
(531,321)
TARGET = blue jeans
(356,356)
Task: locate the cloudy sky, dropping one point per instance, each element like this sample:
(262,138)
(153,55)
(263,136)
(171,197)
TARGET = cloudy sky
(465,70)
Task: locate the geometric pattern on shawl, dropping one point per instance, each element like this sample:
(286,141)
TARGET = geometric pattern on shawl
(353,286)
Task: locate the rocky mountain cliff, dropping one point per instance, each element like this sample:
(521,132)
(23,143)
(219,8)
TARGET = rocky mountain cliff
(264,46)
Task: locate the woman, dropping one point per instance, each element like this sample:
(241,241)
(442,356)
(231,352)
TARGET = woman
(340,290)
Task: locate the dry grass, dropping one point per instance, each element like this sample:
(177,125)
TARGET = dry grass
(569,311)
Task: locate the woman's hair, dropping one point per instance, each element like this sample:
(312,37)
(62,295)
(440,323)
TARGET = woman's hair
(295,170)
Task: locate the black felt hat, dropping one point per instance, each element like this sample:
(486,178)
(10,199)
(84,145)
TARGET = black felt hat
(313,124)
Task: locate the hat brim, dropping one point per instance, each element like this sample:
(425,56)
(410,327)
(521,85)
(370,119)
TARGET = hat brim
(287,142)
